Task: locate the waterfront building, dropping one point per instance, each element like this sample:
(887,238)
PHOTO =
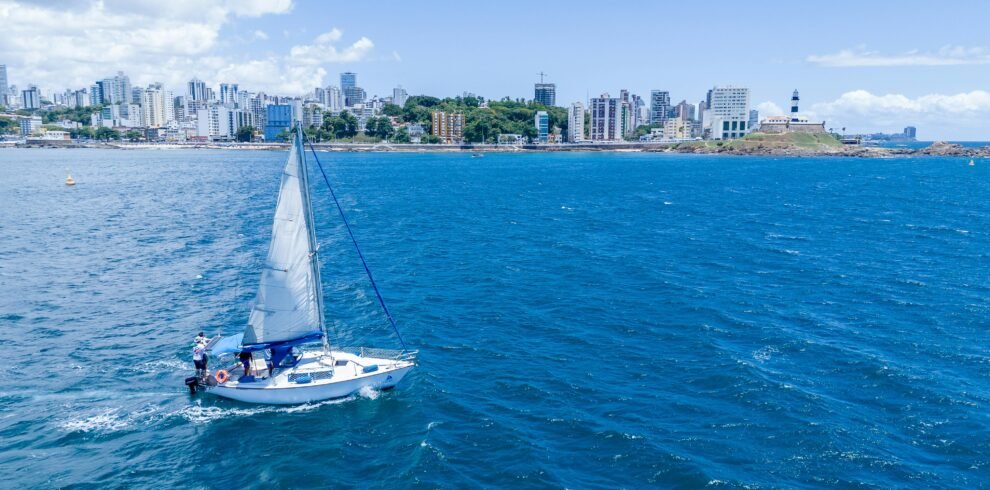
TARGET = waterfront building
(278,118)
(196,90)
(677,128)
(542,121)
(399,96)
(31,98)
(911,132)
(606,118)
(728,113)
(448,126)
(575,123)
(792,123)
(228,94)
(546,94)
(30,125)
(157,107)
(754,119)
(659,106)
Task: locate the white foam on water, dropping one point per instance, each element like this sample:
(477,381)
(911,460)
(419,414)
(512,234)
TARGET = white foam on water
(199,414)
(369,393)
(108,421)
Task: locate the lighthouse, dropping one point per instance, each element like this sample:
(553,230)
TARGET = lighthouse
(794,103)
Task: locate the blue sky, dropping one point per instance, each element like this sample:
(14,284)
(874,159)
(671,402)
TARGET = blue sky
(863,65)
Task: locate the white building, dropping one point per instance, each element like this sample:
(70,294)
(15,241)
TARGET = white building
(606,118)
(334,102)
(677,129)
(157,108)
(728,116)
(575,123)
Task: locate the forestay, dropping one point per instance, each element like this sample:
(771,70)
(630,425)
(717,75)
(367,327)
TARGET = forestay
(286,306)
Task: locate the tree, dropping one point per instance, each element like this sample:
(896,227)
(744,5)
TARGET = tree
(283,136)
(245,134)
(402,135)
(392,110)
(430,139)
(106,134)
(133,135)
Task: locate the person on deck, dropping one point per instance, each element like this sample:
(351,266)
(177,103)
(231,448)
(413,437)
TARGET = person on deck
(201,338)
(245,358)
(200,359)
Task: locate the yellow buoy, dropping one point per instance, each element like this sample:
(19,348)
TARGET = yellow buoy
(69,181)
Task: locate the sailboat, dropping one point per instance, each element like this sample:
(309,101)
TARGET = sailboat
(276,359)
(69,180)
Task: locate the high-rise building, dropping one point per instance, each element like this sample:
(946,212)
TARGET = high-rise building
(30,125)
(399,96)
(754,118)
(684,110)
(320,95)
(606,118)
(542,121)
(156,107)
(728,113)
(911,132)
(278,118)
(575,123)
(196,90)
(640,115)
(228,94)
(546,94)
(3,85)
(348,80)
(335,100)
(659,106)
(31,98)
(448,126)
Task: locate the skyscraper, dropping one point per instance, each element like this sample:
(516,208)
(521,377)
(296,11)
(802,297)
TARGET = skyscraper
(354,96)
(606,118)
(546,94)
(335,100)
(228,94)
(684,111)
(31,98)
(575,123)
(196,89)
(348,80)
(659,106)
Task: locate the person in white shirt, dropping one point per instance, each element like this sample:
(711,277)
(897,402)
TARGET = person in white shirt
(200,359)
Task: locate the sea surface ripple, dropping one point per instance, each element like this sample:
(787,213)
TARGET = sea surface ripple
(583,320)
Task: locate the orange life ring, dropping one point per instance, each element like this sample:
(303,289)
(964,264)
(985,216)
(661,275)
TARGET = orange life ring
(222,376)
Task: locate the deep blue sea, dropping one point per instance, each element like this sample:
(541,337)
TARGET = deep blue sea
(593,320)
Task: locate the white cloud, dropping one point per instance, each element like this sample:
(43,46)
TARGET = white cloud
(769,109)
(861,57)
(59,46)
(944,116)
(323,51)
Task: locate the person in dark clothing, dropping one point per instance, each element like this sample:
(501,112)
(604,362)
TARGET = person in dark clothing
(245,358)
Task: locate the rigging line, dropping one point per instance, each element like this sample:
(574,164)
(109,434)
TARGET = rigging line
(347,225)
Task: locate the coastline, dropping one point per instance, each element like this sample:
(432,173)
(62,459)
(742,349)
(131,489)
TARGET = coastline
(736,147)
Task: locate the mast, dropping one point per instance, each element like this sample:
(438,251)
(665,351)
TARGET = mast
(314,258)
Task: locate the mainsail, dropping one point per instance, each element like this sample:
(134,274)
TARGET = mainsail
(288,304)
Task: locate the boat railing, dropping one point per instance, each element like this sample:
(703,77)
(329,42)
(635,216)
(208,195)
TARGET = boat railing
(394,354)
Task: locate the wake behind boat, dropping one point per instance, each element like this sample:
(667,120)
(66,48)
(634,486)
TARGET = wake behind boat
(272,365)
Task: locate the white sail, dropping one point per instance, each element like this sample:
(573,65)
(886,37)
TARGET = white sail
(287,305)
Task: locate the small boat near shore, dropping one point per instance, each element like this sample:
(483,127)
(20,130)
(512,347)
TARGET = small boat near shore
(69,181)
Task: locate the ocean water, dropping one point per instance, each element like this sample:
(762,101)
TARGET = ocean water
(583,320)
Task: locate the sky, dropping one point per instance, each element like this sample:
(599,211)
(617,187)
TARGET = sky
(861,65)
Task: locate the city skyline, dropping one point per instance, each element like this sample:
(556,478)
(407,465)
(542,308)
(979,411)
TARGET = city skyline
(882,69)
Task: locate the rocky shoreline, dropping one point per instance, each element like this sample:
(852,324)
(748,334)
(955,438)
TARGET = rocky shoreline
(737,147)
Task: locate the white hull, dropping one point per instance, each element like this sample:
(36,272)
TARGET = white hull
(345,380)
